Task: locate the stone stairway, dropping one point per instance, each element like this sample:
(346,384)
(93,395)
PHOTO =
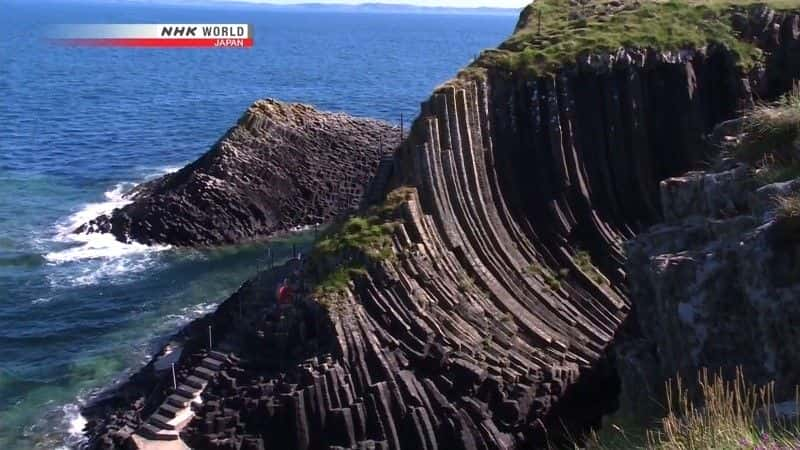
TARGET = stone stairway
(176,411)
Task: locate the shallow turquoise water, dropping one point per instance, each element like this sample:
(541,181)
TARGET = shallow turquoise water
(80,126)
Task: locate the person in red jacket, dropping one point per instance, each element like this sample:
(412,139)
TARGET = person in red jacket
(284,294)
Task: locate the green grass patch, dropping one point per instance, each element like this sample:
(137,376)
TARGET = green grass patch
(552,280)
(584,262)
(552,33)
(337,281)
(349,247)
(620,431)
(466,284)
(365,234)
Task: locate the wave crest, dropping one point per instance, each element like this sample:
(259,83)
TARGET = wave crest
(112,258)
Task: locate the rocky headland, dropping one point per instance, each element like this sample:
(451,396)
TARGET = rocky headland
(546,251)
(283,166)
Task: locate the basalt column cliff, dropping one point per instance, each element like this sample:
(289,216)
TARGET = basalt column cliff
(476,306)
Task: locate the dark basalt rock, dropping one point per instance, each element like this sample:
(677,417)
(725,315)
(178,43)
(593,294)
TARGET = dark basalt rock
(492,323)
(282,166)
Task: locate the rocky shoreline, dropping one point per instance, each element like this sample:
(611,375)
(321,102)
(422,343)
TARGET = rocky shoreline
(114,415)
(283,166)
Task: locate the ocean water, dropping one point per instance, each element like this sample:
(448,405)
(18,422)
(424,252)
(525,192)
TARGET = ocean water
(80,126)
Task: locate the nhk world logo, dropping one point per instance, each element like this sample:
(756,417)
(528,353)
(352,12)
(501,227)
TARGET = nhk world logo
(164,35)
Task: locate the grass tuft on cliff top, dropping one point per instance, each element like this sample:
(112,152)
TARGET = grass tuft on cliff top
(772,133)
(365,234)
(552,33)
(344,252)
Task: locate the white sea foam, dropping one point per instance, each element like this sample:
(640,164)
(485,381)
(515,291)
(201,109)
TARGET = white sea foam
(110,257)
(74,423)
(189,313)
(118,268)
(100,245)
(115,198)
(97,245)
(201,310)
(168,169)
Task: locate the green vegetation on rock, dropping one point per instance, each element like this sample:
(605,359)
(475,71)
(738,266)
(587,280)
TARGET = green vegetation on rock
(465,284)
(554,33)
(365,234)
(584,262)
(349,247)
(772,134)
(553,282)
(770,141)
(336,282)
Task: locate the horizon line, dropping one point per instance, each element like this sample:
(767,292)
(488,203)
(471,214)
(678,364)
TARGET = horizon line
(297,4)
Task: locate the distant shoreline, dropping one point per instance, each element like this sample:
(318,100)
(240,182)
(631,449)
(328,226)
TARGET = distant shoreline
(378,7)
(385,8)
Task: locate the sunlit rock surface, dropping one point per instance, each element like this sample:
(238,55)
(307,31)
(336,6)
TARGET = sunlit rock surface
(282,166)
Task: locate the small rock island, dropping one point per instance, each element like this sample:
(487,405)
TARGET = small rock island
(283,166)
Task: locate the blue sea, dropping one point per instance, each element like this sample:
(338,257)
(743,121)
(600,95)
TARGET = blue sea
(80,126)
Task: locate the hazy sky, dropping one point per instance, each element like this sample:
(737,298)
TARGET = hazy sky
(458,3)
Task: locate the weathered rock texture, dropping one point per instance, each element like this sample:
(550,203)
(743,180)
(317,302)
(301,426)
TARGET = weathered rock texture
(717,285)
(282,166)
(488,325)
(117,413)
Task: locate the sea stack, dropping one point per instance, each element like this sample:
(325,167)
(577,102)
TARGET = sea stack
(281,167)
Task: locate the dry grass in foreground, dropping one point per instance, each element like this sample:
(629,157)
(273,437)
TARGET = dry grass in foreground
(729,415)
(772,132)
(787,206)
